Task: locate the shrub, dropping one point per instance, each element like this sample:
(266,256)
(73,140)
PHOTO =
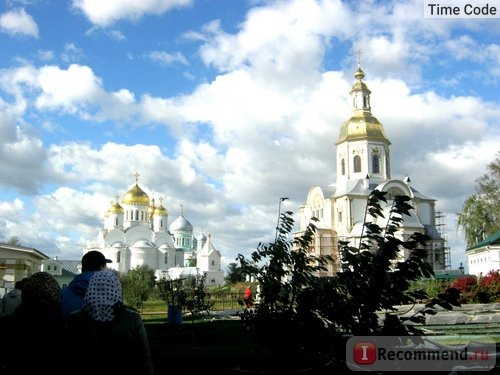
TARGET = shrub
(303,314)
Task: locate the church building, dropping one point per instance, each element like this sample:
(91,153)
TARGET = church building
(363,164)
(136,233)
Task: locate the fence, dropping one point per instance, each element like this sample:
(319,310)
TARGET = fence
(225,300)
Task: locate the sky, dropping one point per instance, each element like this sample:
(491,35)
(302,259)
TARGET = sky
(223,107)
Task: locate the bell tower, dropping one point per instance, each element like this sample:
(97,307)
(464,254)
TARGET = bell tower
(362,147)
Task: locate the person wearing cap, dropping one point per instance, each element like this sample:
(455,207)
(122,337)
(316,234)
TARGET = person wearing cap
(105,336)
(73,294)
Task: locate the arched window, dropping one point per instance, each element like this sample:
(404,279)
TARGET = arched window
(376,163)
(357,163)
(116,222)
(136,215)
(118,256)
(342,167)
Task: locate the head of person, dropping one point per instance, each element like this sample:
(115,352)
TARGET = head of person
(103,296)
(19,284)
(41,286)
(94,261)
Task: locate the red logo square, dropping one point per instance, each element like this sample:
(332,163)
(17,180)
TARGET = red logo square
(365,353)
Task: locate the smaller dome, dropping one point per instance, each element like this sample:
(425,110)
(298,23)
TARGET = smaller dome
(181,224)
(359,74)
(136,196)
(115,208)
(160,210)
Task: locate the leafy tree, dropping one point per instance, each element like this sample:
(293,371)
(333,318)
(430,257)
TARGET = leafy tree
(172,291)
(137,285)
(14,240)
(234,274)
(196,296)
(480,216)
(192,261)
(303,315)
(285,269)
(373,281)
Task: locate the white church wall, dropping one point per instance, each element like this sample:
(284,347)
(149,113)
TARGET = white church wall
(115,235)
(358,210)
(138,233)
(144,256)
(162,238)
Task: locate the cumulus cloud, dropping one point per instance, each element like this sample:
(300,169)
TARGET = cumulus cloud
(67,89)
(104,13)
(262,126)
(18,22)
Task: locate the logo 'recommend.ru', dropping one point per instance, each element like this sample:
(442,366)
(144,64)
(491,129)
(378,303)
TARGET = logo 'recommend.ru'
(365,353)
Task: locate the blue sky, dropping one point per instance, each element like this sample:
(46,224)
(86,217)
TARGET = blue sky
(226,106)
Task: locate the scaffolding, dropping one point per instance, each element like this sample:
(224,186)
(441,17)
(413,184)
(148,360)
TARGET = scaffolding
(441,228)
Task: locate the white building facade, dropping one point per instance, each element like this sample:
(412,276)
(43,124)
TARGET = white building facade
(136,233)
(363,164)
(484,256)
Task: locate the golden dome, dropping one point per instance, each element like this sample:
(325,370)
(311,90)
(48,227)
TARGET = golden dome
(115,208)
(160,210)
(362,126)
(136,196)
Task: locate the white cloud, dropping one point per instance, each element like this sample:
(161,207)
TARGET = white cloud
(18,22)
(68,89)
(264,127)
(167,58)
(45,55)
(104,13)
(71,53)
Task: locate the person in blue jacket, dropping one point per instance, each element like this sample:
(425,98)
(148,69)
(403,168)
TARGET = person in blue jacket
(73,294)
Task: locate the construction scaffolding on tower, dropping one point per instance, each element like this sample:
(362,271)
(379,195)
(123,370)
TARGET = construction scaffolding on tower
(441,228)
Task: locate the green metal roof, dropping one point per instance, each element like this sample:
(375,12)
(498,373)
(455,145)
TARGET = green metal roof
(493,239)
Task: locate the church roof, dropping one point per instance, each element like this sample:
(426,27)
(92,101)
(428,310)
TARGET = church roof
(494,239)
(208,248)
(362,124)
(181,224)
(115,208)
(136,196)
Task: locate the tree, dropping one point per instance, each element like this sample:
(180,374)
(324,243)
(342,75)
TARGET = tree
(234,274)
(196,296)
(480,215)
(14,240)
(137,285)
(302,315)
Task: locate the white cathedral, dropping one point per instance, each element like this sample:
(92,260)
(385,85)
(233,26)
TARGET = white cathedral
(362,165)
(136,233)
